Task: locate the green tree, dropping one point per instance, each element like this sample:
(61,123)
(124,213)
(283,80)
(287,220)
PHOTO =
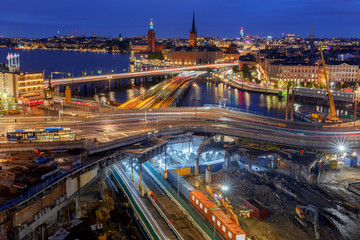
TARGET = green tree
(322,85)
(290,84)
(338,85)
(309,85)
(302,84)
(316,85)
(345,85)
(246,72)
(235,69)
(156,56)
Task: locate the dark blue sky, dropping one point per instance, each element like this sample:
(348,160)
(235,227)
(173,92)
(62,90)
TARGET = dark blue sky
(172,18)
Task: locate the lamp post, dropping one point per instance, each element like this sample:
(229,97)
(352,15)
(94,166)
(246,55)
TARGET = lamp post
(355,105)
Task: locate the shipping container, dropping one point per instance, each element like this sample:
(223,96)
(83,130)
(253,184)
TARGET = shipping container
(184,187)
(202,204)
(351,161)
(260,211)
(183,171)
(226,227)
(223,224)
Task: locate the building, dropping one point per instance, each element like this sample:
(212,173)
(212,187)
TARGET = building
(151,37)
(15,84)
(248,60)
(282,73)
(193,34)
(343,71)
(196,55)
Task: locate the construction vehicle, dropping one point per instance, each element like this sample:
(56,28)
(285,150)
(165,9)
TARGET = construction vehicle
(332,117)
(220,199)
(233,216)
(245,212)
(309,213)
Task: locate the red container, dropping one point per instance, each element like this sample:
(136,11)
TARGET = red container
(223,224)
(260,211)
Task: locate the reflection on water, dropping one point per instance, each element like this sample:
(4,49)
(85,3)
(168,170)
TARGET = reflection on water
(270,105)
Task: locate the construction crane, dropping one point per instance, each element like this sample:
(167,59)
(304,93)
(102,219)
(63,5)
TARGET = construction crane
(332,117)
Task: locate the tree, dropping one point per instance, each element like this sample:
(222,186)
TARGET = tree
(322,85)
(156,56)
(302,84)
(316,85)
(246,72)
(309,85)
(290,84)
(345,85)
(235,69)
(338,85)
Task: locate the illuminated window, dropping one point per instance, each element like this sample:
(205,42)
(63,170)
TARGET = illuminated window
(230,235)
(213,218)
(193,198)
(205,210)
(218,223)
(197,202)
(223,228)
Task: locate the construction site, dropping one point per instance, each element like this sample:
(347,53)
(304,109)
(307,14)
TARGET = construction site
(267,189)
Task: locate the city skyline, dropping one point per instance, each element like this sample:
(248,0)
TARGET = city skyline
(332,18)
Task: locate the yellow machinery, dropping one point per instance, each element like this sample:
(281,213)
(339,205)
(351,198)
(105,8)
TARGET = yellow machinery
(309,213)
(218,196)
(332,117)
(233,216)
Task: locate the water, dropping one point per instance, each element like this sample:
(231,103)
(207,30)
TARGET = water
(73,63)
(79,63)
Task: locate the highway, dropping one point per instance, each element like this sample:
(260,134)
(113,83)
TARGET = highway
(107,128)
(89,79)
(161,95)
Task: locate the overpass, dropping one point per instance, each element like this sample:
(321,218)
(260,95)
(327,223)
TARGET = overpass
(127,75)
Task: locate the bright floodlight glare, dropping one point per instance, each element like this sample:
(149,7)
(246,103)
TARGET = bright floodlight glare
(224,188)
(341,148)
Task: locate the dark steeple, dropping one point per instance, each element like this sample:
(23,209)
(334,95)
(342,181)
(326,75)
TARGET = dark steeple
(193,29)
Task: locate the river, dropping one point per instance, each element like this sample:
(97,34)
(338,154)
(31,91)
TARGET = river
(81,63)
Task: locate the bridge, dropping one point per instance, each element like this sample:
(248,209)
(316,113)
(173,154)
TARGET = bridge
(127,75)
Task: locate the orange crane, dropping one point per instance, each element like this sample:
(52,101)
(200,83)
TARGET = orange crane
(332,117)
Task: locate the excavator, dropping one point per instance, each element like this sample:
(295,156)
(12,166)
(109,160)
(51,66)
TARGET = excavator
(220,199)
(331,117)
(309,213)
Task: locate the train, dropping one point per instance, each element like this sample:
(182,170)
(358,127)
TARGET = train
(47,134)
(208,209)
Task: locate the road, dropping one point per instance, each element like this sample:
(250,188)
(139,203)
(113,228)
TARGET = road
(108,128)
(88,79)
(161,95)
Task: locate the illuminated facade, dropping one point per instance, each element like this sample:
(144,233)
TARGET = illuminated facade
(282,73)
(151,37)
(17,84)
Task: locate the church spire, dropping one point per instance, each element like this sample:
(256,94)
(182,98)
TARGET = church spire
(193,29)
(312,30)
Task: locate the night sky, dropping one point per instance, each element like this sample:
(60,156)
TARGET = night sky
(172,18)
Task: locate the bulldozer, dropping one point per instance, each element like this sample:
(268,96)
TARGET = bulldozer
(309,213)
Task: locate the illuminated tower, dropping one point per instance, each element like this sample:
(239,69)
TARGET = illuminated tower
(151,37)
(241,33)
(312,39)
(193,34)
